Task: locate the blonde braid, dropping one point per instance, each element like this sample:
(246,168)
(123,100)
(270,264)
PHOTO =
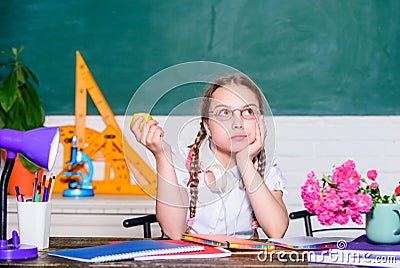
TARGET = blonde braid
(194,173)
(262,159)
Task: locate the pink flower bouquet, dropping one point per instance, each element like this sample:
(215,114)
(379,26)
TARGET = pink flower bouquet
(336,198)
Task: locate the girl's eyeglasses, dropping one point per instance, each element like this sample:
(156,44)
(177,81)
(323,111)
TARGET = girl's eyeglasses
(224,113)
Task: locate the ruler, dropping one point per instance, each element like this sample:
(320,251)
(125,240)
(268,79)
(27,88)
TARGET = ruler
(107,146)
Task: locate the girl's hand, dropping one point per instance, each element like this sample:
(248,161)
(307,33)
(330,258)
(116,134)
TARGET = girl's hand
(248,153)
(151,135)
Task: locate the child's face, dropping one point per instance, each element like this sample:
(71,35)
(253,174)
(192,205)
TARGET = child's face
(232,132)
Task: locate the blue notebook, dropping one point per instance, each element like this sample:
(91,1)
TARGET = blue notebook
(123,251)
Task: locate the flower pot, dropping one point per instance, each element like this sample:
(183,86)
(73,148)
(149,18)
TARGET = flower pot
(22,178)
(383,224)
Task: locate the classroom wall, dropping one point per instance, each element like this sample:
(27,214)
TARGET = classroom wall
(310,57)
(329,69)
(303,143)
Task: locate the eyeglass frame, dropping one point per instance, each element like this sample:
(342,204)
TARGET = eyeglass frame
(256,111)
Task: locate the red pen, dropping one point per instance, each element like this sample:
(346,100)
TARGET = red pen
(49,186)
(42,188)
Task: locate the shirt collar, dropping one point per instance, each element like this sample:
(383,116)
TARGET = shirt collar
(208,159)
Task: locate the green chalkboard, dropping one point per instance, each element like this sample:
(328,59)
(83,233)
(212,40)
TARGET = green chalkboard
(310,57)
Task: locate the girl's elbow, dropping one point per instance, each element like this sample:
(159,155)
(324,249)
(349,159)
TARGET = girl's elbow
(284,226)
(278,233)
(279,230)
(172,233)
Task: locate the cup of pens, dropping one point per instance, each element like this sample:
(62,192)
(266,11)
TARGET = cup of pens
(34,215)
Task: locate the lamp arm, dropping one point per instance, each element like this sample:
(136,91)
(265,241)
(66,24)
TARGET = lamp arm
(5,177)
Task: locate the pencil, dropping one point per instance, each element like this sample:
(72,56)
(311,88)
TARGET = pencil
(51,186)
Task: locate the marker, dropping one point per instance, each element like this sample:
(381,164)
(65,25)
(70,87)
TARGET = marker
(34,186)
(50,188)
(45,194)
(20,198)
(38,189)
(42,188)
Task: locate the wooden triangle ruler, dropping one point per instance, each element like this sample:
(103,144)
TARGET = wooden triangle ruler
(107,146)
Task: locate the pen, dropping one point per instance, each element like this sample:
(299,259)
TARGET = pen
(45,194)
(20,198)
(37,196)
(34,186)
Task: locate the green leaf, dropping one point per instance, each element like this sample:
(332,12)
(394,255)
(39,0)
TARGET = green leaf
(30,74)
(14,117)
(393,199)
(20,104)
(2,124)
(34,113)
(22,77)
(8,93)
(27,164)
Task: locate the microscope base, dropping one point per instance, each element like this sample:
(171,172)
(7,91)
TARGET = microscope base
(78,192)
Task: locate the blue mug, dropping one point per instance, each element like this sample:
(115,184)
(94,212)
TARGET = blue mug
(383,224)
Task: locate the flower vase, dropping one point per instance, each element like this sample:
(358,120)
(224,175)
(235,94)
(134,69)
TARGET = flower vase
(383,224)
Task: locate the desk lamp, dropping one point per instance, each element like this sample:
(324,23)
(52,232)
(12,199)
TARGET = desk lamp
(40,146)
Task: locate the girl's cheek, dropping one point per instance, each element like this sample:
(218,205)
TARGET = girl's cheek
(220,136)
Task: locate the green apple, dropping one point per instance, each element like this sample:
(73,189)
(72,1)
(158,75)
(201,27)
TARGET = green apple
(146,117)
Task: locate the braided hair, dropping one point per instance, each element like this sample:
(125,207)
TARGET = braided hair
(238,79)
(194,174)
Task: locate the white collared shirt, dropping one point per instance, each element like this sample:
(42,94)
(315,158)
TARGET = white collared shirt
(226,212)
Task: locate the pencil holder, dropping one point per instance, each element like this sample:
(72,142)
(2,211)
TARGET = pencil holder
(34,220)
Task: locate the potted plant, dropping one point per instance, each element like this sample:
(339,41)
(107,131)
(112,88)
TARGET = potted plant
(20,105)
(346,194)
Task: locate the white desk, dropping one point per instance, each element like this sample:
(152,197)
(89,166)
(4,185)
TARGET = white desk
(101,215)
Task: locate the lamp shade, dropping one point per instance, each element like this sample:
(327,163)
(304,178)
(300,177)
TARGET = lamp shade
(39,145)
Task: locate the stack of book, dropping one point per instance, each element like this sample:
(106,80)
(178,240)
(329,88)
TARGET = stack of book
(195,246)
(142,250)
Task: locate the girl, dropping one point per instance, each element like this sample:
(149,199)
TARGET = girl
(225,188)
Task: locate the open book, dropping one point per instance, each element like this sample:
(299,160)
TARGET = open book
(123,251)
(308,242)
(229,242)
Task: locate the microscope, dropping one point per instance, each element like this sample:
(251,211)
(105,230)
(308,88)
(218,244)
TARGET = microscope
(84,186)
